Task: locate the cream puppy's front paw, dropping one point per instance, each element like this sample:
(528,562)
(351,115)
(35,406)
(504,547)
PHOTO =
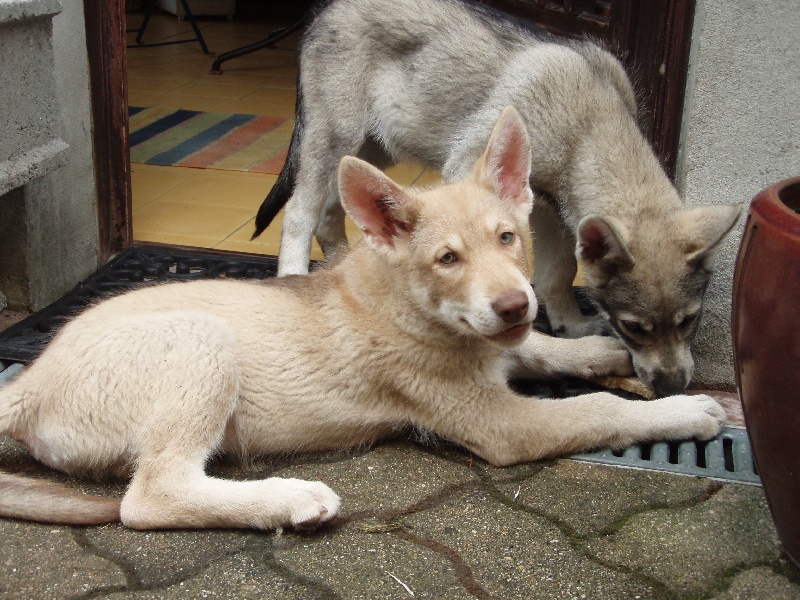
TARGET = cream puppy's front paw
(683,417)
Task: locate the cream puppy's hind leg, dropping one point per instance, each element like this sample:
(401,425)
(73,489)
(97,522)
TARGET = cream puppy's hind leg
(198,395)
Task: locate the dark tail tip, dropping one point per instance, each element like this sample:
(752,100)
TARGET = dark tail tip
(282,190)
(275,200)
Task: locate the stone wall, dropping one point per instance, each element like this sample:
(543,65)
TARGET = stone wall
(48,231)
(741,133)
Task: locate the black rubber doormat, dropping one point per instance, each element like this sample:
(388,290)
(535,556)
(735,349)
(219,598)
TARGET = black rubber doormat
(133,267)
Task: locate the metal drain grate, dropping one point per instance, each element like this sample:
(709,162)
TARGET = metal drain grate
(727,457)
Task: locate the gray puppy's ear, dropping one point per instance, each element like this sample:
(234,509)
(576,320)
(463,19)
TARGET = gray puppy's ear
(706,227)
(601,248)
(505,164)
(379,206)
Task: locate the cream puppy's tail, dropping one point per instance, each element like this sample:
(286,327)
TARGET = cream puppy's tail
(44,501)
(47,502)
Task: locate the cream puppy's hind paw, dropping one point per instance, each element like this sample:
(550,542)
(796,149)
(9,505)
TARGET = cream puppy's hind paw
(310,504)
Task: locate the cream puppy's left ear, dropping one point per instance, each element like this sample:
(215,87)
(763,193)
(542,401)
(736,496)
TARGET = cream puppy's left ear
(506,163)
(379,206)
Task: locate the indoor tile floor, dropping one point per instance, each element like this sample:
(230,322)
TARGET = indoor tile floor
(211,208)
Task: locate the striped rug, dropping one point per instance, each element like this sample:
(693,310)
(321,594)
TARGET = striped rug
(208,140)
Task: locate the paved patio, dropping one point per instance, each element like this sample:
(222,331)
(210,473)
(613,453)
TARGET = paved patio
(423,521)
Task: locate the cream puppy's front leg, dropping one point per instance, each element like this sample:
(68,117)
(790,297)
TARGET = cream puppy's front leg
(504,428)
(542,355)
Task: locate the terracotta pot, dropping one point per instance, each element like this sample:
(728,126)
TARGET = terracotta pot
(766,344)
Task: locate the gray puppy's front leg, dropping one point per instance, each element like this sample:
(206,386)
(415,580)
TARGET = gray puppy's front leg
(541,355)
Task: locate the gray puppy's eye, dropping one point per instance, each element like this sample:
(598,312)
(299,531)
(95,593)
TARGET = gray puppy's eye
(633,327)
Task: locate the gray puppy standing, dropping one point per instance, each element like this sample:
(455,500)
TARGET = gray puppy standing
(427,79)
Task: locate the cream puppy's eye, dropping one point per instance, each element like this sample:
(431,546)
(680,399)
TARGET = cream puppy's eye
(506,237)
(448,258)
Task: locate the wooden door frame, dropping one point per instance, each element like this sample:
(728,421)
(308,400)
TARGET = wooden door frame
(108,81)
(655,40)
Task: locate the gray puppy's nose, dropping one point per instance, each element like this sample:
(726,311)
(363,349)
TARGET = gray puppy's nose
(669,383)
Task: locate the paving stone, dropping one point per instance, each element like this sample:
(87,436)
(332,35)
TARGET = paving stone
(590,497)
(359,565)
(761,582)
(516,554)
(237,577)
(46,561)
(689,548)
(443,524)
(392,475)
(156,559)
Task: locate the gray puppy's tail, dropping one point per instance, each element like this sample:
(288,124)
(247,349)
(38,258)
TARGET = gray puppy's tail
(282,190)
(47,502)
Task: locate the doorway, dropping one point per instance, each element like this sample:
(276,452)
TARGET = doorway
(211,209)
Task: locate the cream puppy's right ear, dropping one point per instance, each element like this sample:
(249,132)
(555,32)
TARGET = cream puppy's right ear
(379,206)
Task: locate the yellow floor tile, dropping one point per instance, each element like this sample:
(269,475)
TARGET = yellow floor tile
(161,85)
(168,217)
(206,207)
(175,240)
(223,188)
(162,168)
(201,103)
(148,184)
(272,102)
(270,236)
(409,173)
(189,56)
(268,242)
(248,247)
(278,59)
(215,87)
(259,76)
(145,98)
(428,177)
(155,65)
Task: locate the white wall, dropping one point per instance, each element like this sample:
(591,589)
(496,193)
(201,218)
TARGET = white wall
(741,133)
